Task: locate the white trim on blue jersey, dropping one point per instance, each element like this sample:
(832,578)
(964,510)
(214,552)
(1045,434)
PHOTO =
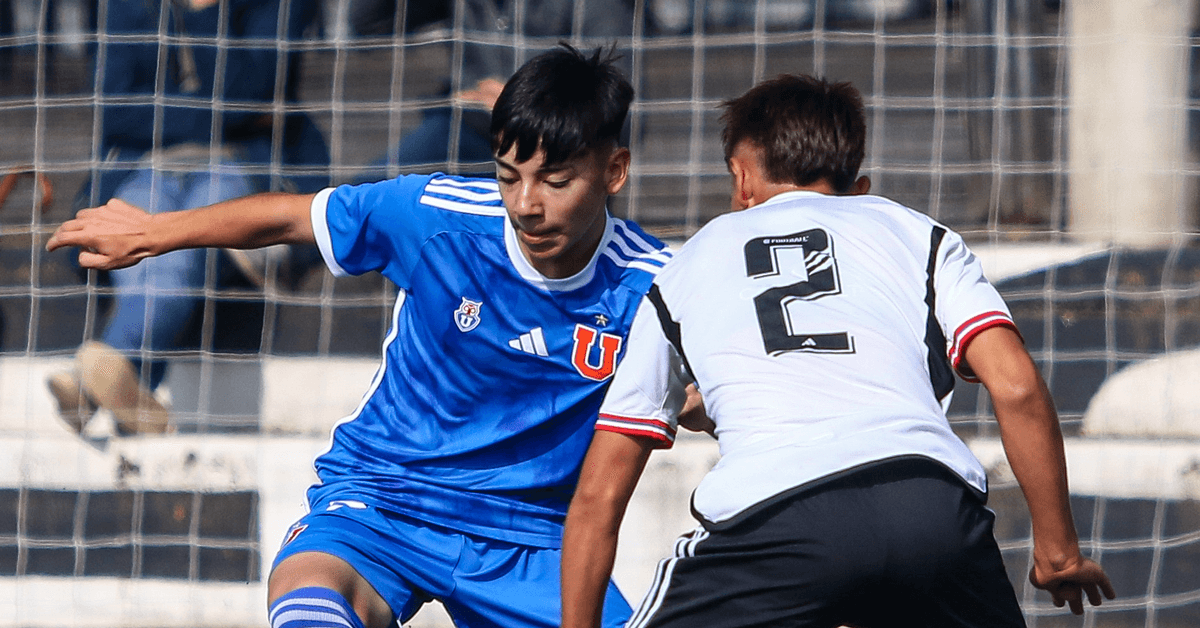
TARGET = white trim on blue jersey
(316,212)
(464,196)
(376,380)
(627,248)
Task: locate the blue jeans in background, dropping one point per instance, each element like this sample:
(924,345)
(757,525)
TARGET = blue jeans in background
(155,299)
(429,144)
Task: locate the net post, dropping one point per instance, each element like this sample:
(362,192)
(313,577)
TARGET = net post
(1127,144)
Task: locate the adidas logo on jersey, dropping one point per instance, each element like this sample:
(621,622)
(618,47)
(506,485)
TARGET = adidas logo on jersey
(532,342)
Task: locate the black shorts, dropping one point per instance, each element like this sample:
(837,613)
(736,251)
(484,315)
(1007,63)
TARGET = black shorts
(899,543)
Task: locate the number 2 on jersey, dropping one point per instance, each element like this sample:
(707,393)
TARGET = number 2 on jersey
(765,258)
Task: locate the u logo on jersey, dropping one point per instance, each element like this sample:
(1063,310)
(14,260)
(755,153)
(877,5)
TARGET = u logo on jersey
(585,341)
(467,314)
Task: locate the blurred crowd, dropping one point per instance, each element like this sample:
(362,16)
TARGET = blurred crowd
(201,119)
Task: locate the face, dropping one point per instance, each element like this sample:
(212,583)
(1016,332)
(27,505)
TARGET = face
(558,212)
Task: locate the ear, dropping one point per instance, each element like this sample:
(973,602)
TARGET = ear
(862,185)
(616,172)
(742,193)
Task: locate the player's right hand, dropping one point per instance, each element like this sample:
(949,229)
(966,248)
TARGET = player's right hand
(109,237)
(1067,584)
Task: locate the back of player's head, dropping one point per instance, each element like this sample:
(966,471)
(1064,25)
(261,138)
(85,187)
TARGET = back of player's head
(807,129)
(561,101)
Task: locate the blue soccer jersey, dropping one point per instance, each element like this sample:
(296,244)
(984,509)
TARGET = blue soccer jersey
(492,374)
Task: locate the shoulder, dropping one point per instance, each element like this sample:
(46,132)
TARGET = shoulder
(636,256)
(462,195)
(435,195)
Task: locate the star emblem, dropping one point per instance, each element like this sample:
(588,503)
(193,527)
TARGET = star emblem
(601,320)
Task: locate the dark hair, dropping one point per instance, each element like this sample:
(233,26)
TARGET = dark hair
(562,102)
(807,128)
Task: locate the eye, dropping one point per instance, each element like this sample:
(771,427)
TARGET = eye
(506,180)
(558,184)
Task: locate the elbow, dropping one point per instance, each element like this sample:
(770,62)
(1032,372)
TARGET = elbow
(1017,393)
(1019,402)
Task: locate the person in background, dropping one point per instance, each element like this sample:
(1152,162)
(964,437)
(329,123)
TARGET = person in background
(218,132)
(489,57)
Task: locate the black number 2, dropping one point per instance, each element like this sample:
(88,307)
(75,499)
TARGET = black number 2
(778,330)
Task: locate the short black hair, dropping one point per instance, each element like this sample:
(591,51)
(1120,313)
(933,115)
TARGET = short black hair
(562,102)
(807,128)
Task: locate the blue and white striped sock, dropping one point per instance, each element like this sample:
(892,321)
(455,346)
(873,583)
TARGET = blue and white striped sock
(313,607)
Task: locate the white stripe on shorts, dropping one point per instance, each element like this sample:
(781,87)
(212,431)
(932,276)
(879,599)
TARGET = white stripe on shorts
(685,547)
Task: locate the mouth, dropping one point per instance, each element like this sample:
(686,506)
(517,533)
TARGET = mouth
(540,239)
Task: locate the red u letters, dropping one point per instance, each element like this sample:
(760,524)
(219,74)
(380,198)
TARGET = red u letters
(585,339)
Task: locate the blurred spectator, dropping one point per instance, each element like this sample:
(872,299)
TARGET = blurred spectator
(378,17)
(185,122)
(489,58)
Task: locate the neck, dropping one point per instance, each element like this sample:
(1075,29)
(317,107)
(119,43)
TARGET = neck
(821,186)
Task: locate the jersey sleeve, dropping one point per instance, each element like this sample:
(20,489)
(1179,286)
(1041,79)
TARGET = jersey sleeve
(648,389)
(966,303)
(373,227)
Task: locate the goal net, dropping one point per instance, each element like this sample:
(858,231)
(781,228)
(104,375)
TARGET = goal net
(970,113)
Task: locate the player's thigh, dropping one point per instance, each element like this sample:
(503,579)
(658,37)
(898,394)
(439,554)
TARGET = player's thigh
(317,569)
(500,584)
(756,575)
(944,567)
(356,550)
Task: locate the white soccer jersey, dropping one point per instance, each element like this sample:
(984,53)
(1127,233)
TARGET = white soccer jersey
(822,332)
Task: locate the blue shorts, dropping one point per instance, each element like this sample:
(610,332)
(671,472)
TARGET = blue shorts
(481,582)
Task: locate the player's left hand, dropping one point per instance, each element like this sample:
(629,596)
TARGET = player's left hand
(1067,583)
(693,417)
(109,237)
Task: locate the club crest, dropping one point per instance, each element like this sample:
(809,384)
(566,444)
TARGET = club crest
(294,532)
(467,314)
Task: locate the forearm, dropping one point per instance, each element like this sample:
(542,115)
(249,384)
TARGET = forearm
(118,235)
(589,550)
(1033,442)
(1034,445)
(610,473)
(243,223)
(1032,438)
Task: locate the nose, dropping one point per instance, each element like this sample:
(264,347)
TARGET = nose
(527,203)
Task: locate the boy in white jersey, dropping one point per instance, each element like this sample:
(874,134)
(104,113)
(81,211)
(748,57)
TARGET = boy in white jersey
(452,478)
(823,328)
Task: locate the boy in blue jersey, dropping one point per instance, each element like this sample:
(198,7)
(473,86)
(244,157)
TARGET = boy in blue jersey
(451,479)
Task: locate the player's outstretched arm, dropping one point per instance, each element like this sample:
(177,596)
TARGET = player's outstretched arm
(1034,445)
(611,469)
(117,234)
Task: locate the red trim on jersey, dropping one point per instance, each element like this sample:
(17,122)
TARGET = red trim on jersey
(645,428)
(968,331)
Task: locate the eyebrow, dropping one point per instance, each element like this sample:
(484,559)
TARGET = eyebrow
(567,165)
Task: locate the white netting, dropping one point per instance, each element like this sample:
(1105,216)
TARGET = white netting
(969,109)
